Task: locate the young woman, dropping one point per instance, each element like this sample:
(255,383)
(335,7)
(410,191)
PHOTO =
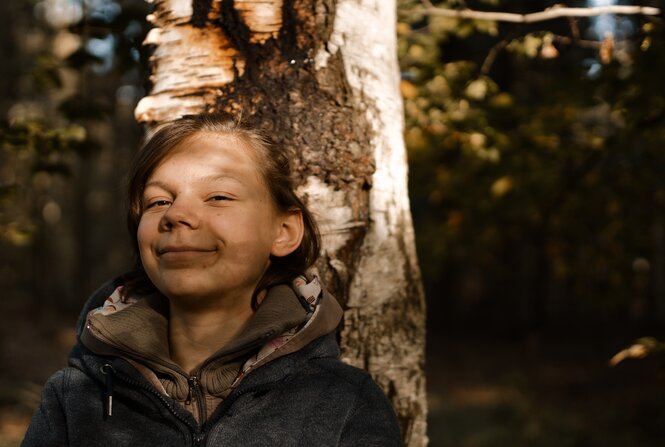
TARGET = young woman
(218,337)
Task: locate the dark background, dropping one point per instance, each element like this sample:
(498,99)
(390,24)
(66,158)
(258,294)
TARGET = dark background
(536,179)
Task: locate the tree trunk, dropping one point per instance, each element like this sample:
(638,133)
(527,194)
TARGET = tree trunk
(322,78)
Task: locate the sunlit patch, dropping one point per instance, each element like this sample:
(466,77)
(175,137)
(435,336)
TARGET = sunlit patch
(59,13)
(51,212)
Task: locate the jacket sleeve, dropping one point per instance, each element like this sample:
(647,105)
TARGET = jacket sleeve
(372,423)
(48,427)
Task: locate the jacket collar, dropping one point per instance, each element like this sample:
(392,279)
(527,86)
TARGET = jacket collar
(288,320)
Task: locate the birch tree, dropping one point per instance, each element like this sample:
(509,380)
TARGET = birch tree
(322,77)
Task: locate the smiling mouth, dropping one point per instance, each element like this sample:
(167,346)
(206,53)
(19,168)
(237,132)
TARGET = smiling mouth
(181,248)
(182,253)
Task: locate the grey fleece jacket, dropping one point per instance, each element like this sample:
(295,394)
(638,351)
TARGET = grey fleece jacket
(306,398)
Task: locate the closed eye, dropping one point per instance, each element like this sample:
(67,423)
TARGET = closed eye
(219,198)
(157,203)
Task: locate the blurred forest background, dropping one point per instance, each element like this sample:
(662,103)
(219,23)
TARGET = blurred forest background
(537,182)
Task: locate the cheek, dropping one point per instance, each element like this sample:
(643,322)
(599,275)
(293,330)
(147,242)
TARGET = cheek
(143,235)
(144,240)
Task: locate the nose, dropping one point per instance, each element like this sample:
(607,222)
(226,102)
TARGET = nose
(180,214)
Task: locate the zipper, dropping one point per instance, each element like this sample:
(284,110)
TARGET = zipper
(198,436)
(196,394)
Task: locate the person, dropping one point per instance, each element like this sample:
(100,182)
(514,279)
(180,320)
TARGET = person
(221,335)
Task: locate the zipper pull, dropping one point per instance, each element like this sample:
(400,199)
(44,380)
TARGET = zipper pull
(198,438)
(108,372)
(193,385)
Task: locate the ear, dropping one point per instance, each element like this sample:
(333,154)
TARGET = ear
(289,234)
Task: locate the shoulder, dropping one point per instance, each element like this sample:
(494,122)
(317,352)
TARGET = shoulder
(340,405)
(366,415)
(342,373)
(316,361)
(318,366)
(65,382)
(371,420)
(346,378)
(60,394)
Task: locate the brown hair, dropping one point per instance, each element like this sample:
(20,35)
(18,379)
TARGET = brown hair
(273,164)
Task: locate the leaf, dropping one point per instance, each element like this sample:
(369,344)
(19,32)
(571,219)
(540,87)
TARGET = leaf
(46,72)
(408,89)
(640,349)
(502,186)
(17,234)
(528,45)
(476,89)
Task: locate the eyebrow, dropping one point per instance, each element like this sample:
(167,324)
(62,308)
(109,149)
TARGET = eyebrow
(208,178)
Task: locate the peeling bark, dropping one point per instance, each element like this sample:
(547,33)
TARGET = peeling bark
(321,76)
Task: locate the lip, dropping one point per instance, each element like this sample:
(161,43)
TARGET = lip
(182,252)
(181,249)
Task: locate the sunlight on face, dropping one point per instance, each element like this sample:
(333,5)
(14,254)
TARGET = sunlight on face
(208,223)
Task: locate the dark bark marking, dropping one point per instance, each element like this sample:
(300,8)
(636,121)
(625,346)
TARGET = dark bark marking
(200,11)
(304,109)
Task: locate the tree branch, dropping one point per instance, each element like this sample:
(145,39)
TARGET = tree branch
(554,12)
(491,56)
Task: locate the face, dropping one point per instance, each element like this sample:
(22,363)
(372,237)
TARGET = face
(209,224)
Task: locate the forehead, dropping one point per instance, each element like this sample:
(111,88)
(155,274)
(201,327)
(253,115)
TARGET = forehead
(232,149)
(214,152)
(217,141)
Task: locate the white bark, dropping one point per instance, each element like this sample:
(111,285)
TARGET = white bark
(195,62)
(365,35)
(264,16)
(384,322)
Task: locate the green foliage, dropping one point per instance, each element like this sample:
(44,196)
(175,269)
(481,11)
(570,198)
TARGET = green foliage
(536,183)
(46,73)
(29,149)
(48,129)
(33,137)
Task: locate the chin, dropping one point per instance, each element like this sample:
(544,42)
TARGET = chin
(175,286)
(190,288)
(180,291)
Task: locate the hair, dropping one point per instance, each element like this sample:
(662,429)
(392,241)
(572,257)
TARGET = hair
(273,164)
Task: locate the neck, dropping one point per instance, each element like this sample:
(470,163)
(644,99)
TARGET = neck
(196,334)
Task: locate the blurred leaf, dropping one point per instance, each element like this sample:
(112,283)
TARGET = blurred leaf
(502,186)
(18,234)
(46,72)
(638,350)
(558,142)
(528,45)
